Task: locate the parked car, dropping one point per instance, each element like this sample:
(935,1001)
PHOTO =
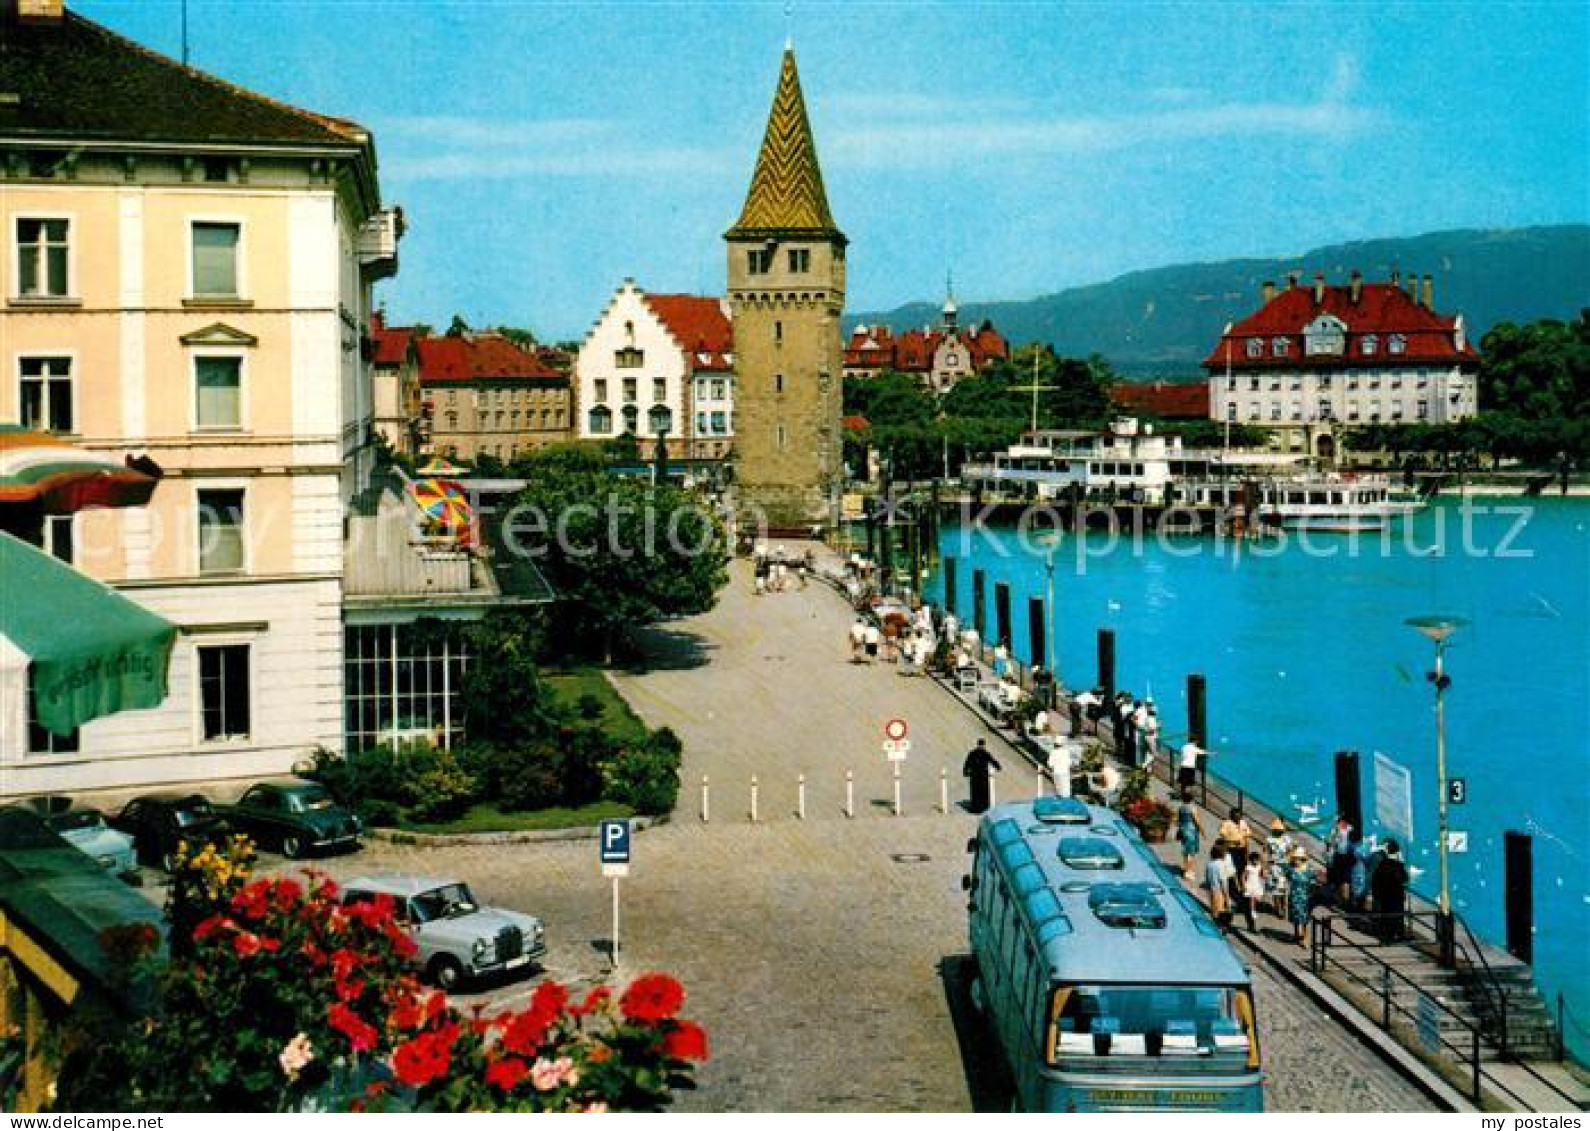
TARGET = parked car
(86,830)
(295,817)
(160,822)
(456,936)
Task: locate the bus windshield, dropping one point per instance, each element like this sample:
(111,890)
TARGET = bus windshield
(1163,1021)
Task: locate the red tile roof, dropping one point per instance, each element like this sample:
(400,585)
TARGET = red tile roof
(877,347)
(486,358)
(1382,309)
(391,344)
(1169,402)
(699,325)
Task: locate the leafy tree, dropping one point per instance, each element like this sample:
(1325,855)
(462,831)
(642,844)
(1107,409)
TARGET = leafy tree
(457,328)
(1537,372)
(519,336)
(621,553)
(505,700)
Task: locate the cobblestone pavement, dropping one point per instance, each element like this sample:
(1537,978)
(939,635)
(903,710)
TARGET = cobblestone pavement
(825,956)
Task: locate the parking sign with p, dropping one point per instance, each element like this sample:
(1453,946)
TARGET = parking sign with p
(613,839)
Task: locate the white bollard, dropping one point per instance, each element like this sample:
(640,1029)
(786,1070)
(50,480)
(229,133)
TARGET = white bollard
(897,810)
(706,800)
(993,788)
(755,791)
(800,797)
(850,794)
(944,791)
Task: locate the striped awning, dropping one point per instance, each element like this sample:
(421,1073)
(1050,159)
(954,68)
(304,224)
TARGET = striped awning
(56,477)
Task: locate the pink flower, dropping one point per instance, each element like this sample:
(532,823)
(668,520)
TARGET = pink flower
(596,1108)
(296,1055)
(548,1074)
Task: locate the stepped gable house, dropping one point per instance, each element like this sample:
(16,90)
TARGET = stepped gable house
(786,291)
(659,367)
(1312,360)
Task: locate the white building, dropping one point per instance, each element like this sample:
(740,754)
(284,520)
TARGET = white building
(1316,359)
(659,365)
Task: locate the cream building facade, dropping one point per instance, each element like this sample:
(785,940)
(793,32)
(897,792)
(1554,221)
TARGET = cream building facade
(187,274)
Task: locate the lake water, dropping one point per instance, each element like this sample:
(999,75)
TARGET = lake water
(1306,652)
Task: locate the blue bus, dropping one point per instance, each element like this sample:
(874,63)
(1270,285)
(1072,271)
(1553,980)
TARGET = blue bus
(1108,985)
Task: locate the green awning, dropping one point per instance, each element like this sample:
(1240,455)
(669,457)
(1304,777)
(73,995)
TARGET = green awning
(91,651)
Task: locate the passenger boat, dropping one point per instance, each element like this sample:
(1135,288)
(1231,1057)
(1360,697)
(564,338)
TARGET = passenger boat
(1343,503)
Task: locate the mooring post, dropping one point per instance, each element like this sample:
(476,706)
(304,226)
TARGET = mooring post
(800,797)
(850,794)
(1519,849)
(706,800)
(1107,663)
(755,791)
(944,790)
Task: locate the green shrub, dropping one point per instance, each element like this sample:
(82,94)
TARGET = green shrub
(436,787)
(646,777)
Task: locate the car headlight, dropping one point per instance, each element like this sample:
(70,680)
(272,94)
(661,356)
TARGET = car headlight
(107,861)
(480,949)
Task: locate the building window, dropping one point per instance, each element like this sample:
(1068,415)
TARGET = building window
(599,386)
(1231,410)
(701,424)
(1324,409)
(215,260)
(1231,384)
(720,424)
(778,382)
(779,437)
(58,537)
(47,394)
(403,684)
(601,421)
(800,260)
(631,419)
(218,170)
(1424,410)
(1253,412)
(42,258)
(220,531)
(1368,344)
(452,421)
(1397,344)
(1253,384)
(759,261)
(218,384)
(1280,347)
(778,331)
(631,390)
(1297,410)
(1324,335)
(224,692)
(629,358)
(1275,412)
(719,389)
(1296,382)
(659,389)
(1255,347)
(41,741)
(660,419)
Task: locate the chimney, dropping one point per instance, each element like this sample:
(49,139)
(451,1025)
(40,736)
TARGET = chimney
(1357,287)
(1427,294)
(41,11)
(1319,288)
(1267,292)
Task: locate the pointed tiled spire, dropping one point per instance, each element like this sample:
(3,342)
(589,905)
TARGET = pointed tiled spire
(787,188)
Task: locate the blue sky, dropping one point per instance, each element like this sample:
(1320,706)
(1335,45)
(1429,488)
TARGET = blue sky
(545,151)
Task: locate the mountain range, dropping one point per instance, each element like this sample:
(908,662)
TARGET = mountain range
(1163,322)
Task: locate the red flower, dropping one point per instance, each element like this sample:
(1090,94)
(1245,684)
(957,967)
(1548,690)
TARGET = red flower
(253,901)
(651,998)
(525,1031)
(549,998)
(594,1000)
(685,1041)
(506,1073)
(360,1033)
(414,1009)
(343,963)
(246,944)
(207,928)
(349,990)
(286,894)
(426,1057)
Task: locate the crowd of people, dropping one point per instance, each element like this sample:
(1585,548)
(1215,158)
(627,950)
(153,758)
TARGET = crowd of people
(777,571)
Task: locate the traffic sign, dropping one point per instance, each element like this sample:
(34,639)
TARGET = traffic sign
(1457,842)
(613,841)
(895,749)
(1457,790)
(895,730)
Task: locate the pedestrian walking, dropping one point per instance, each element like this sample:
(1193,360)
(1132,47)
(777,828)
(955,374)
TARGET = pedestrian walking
(1339,854)
(1300,887)
(1189,833)
(1277,846)
(977,768)
(1252,888)
(1235,834)
(1389,889)
(873,639)
(1358,876)
(1215,885)
(1187,765)
(858,641)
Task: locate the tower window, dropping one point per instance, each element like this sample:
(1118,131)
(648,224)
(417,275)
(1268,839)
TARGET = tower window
(759,261)
(778,382)
(800,260)
(778,331)
(629,358)
(779,437)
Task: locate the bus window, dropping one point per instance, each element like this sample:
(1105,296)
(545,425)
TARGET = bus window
(1213,1022)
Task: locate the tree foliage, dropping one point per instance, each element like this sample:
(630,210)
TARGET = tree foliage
(1537,372)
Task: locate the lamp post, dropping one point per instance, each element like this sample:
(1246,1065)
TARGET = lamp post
(1050,541)
(1438,629)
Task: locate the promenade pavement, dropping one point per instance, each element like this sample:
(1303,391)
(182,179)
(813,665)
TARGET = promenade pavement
(826,957)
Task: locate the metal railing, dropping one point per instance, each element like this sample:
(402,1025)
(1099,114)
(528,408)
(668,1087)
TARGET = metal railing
(1489,984)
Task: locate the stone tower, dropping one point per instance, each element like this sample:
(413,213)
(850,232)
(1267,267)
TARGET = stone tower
(787,292)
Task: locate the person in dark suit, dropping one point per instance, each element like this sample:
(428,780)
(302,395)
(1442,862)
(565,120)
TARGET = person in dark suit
(1388,887)
(979,762)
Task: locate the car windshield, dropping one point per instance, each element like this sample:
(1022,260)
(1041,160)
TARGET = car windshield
(78,819)
(193,813)
(310,801)
(446,902)
(1194,1021)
